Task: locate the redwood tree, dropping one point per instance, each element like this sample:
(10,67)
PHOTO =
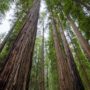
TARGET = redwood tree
(68,75)
(73,69)
(84,43)
(15,75)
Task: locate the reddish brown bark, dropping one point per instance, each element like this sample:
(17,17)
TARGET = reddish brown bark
(83,42)
(15,74)
(77,83)
(65,80)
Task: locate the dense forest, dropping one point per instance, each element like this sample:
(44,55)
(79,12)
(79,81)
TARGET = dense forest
(44,44)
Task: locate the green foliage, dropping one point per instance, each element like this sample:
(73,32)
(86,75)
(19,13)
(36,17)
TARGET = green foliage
(84,26)
(81,61)
(53,73)
(11,39)
(4,5)
(25,5)
(36,65)
(70,7)
(60,9)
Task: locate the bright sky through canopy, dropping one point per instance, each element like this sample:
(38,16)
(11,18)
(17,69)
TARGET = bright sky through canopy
(7,20)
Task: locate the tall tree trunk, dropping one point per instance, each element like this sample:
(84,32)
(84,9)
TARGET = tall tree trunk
(41,84)
(15,75)
(66,82)
(82,68)
(84,43)
(77,83)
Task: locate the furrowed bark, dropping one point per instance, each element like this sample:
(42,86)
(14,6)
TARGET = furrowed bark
(63,69)
(16,71)
(77,83)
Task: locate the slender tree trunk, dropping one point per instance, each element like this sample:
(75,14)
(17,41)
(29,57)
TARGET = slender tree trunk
(15,74)
(63,68)
(41,84)
(73,70)
(84,43)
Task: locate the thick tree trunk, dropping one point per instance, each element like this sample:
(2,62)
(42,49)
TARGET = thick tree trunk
(41,84)
(3,62)
(15,75)
(77,83)
(64,75)
(84,43)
